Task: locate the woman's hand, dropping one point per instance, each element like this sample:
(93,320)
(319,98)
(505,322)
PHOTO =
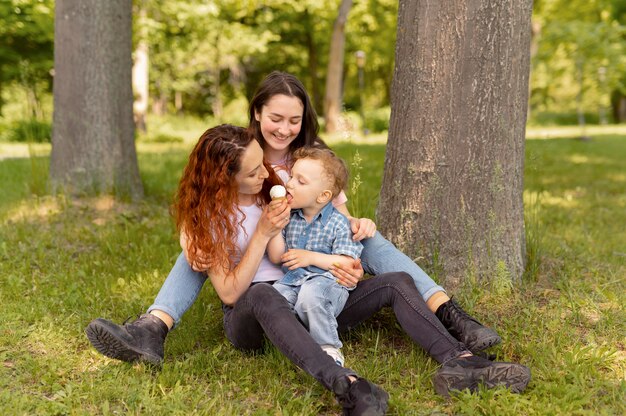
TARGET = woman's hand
(362,228)
(348,276)
(274,218)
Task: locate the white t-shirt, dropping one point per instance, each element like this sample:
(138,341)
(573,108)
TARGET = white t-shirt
(267,271)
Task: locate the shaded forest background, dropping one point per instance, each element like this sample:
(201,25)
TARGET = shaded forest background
(204,59)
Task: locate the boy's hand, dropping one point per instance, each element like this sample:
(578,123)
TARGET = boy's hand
(296,258)
(362,228)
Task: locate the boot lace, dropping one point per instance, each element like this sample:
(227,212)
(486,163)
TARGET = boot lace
(455,311)
(129,318)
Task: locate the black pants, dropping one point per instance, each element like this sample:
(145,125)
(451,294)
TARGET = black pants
(261,310)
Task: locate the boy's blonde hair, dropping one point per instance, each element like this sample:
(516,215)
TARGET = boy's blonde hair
(334,167)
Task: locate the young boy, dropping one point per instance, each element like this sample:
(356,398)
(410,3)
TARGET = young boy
(316,237)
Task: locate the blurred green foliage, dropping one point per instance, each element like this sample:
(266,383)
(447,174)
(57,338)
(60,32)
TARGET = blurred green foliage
(26,45)
(27,131)
(578,58)
(377,120)
(212,55)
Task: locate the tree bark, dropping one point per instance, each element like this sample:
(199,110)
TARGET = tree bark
(334,74)
(453,181)
(535,37)
(93,148)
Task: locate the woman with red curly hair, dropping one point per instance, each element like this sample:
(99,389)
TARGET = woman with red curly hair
(225,223)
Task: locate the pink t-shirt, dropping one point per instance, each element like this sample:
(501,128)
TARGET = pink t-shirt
(283,170)
(267,271)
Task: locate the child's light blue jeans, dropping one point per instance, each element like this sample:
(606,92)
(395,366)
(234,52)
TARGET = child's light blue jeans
(317,302)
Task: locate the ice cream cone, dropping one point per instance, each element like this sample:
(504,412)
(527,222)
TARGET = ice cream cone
(278,193)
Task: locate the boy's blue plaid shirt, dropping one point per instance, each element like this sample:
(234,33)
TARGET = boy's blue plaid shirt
(329,233)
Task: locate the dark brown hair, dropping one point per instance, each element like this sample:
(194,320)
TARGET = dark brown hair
(286,84)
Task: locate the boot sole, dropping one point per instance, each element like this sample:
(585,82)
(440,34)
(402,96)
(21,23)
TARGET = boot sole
(113,347)
(484,343)
(512,376)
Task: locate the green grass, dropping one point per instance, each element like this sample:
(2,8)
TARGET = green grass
(63,263)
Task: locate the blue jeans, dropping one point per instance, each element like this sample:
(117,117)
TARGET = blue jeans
(317,302)
(380,256)
(182,286)
(180,290)
(261,312)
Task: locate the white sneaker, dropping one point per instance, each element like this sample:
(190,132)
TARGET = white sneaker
(335,354)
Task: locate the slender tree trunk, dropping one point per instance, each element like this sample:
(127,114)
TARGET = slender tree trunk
(580,67)
(333,98)
(312,49)
(621,110)
(159,105)
(34,103)
(217,106)
(602,109)
(618,105)
(93,148)
(382,75)
(1,89)
(453,181)
(141,74)
(178,102)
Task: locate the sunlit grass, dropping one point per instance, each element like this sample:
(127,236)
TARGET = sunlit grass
(573,132)
(64,262)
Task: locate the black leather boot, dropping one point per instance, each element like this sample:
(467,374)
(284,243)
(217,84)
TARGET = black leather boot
(472,372)
(361,397)
(140,340)
(466,329)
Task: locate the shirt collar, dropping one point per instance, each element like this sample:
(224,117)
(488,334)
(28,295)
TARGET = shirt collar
(323,215)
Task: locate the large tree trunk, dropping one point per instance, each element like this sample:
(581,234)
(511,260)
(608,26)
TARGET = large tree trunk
(453,181)
(93,148)
(535,37)
(334,75)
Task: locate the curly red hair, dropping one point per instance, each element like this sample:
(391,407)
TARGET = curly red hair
(206,200)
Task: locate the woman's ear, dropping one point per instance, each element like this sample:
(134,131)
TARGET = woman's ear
(325,197)
(257,116)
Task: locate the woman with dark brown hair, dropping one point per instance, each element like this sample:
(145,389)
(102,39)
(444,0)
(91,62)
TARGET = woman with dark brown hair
(225,238)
